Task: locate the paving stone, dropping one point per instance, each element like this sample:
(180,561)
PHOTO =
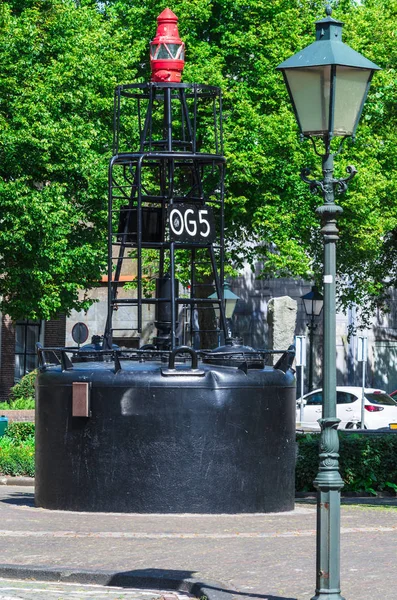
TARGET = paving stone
(246,557)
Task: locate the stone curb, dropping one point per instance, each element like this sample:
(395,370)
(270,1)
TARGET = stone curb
(140,579)
(28,481)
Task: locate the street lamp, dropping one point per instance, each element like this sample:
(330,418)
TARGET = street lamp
(328,83)
(230,300)
(313,305)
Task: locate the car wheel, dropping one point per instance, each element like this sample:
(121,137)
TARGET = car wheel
(354,426)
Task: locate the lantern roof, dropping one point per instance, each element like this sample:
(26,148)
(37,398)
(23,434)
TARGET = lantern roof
(167,14)
(328,49)
(167,28)
(227,293)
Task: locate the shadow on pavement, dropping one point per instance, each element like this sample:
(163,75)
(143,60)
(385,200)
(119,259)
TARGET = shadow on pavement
(19,498)
(182,581)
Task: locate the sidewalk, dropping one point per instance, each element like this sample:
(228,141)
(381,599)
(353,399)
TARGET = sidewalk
(31,590)
(220,556)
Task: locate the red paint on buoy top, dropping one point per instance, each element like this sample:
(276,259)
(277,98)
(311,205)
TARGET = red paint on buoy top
(167,51)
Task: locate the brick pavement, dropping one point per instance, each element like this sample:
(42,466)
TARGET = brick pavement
(238,556)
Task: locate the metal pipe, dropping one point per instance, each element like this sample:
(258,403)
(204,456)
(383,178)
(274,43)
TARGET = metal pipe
(139,242)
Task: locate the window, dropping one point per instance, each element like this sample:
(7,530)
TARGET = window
(345,398)
(27,334)
(315,399)
(379,398)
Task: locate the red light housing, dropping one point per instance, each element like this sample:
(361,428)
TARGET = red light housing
(167,51)
(372,408)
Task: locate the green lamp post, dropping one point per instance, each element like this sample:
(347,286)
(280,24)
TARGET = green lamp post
(230,300)
(328,83)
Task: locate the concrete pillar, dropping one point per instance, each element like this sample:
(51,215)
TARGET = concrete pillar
(281,318)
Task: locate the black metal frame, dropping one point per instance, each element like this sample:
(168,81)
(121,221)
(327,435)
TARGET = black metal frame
(168,132)
(240,357)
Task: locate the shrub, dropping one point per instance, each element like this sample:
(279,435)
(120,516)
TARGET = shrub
(17,458)
(22,394)
(22,404)
(20,432)
(24,390)
(368,462)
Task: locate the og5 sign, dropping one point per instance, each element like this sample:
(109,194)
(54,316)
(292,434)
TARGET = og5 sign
(191,223)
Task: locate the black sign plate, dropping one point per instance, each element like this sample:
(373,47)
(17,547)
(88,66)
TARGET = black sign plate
(191,223)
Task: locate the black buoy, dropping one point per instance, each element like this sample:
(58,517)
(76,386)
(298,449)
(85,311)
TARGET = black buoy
(162,428)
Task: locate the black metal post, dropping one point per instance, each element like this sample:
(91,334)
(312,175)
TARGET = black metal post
(311,327)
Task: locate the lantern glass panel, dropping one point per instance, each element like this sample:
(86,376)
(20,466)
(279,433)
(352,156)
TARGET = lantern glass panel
(217,311)
(313,307)
(168,51)
(350,91)
(310,90)
(230,306)
(308,304)
(317,307)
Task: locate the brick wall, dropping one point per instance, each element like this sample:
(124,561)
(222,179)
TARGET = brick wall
(7,357)
(55,331)
(24,416)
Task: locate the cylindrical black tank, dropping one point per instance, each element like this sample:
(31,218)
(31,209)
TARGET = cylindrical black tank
(217,439)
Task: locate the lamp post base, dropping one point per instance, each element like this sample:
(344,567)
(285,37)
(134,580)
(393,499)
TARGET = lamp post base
(328,595)
(329,484)
(328,527)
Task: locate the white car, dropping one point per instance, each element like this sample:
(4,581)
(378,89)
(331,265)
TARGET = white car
(380,409)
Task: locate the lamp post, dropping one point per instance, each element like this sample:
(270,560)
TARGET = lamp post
(230,299)
(328,83)
(313,305)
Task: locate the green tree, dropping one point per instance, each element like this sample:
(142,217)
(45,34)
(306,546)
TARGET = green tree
(59,65)
(60,61)
(267,201)
(237,45)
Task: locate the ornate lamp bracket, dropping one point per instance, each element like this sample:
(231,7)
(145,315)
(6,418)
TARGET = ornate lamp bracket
(328,186)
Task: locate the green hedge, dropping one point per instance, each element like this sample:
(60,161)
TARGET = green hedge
(16,458)
(20,431)
(17,450)
(368,462)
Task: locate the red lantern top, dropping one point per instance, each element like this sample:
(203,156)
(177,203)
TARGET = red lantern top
(167,51)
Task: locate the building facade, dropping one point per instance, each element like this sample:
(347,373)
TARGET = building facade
(18,340)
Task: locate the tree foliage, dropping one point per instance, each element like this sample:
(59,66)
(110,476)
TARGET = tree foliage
(59,65)
(60,61)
